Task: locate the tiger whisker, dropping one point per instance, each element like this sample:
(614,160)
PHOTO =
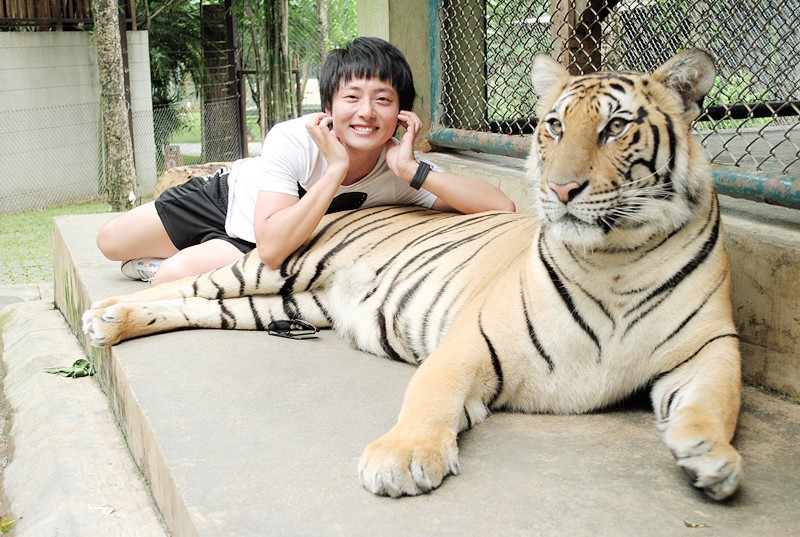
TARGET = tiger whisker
(646,177)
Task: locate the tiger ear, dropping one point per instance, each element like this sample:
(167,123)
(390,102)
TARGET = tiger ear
(690,75)
(548,75)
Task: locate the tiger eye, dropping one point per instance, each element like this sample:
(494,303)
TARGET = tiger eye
(616,126)
(554,127)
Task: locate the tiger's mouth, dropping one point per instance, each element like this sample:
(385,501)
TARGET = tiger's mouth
(572,229)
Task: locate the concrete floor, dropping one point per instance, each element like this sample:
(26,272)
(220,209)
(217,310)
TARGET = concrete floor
(239,433)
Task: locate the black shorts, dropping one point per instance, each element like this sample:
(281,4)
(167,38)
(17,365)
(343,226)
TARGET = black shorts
(194,212)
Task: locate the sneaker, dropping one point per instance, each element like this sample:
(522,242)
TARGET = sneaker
(141,269)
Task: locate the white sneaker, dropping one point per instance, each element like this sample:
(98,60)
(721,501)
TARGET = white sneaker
(141,269)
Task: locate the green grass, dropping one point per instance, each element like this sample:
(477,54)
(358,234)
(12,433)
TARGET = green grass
(191,129)
(26,242)
(189,160)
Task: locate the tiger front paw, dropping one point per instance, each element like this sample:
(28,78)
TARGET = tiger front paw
(407,464)
(712,465)
(103,325)
(106,302)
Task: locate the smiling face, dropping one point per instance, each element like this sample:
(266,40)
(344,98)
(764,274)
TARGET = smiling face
(364,114)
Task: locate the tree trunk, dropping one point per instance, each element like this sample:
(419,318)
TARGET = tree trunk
(120,177)
(278,99)
(220,130)
(577,33)
(322,29)
(260,76)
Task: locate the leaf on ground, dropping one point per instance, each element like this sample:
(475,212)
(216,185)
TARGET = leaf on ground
(695,524)
(81,368)
(6,524)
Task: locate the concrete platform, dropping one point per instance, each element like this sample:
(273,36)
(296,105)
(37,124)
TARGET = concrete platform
(240,433)
(66,469)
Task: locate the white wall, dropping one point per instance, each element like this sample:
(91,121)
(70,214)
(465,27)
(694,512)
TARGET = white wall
(49,127)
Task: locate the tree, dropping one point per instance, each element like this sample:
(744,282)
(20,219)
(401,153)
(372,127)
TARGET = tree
(312,28)
(120,177)
(173,29)
(322,29)
(220,92)
(278,100)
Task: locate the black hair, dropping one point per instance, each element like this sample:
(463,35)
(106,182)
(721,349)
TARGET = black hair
(366,57)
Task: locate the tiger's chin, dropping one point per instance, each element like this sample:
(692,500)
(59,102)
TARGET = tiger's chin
(623,234)
(576,232)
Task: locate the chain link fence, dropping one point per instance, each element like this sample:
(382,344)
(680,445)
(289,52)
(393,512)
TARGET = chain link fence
(57,147)
(53,156)
(751,116)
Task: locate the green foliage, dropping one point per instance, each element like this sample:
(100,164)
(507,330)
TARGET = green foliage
(175,59)
(81,368)
(302,36)
(737,88)
(175,53)
(6,525)
(342,22)
(514,32)
(303,29)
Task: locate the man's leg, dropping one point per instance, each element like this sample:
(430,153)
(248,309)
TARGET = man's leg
(134,234)
(196,260)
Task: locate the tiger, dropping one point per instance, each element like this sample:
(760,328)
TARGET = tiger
(616,282)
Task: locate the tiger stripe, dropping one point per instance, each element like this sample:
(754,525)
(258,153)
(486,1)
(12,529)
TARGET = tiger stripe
(496,365)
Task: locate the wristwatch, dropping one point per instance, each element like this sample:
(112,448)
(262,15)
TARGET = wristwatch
(422,173)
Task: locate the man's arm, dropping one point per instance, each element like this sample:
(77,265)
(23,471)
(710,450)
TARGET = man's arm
(453,192)
(465,195)
(283,222)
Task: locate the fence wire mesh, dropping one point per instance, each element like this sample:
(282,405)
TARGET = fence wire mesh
(53,156)
(751,116)
(55,148)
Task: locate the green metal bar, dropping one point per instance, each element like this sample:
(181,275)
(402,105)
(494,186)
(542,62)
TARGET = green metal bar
(485,142)
(772,188)
(434,8)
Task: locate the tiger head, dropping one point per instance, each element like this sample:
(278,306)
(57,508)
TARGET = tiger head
(613,157)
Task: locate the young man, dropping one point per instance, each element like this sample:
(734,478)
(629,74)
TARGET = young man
(342,158)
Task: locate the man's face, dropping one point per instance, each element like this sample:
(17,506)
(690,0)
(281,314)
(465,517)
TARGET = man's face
(364,113)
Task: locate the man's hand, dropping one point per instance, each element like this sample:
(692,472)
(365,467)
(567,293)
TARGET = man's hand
(400,157)
(319,126)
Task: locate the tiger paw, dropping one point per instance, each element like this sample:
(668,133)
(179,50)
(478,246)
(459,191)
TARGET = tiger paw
(106,302)
(712,465)
(403,464)
(103,325)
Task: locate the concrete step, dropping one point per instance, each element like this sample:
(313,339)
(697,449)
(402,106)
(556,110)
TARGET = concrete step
(69,472)
(239,433)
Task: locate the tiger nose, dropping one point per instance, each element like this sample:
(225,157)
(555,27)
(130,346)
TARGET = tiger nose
(566,192)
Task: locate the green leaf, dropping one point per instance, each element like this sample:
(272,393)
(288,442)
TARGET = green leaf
(81,368)
(6,524)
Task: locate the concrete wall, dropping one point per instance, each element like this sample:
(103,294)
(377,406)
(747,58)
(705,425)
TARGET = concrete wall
(49,107)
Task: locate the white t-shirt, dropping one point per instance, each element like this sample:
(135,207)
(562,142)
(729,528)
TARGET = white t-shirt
(290,157)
